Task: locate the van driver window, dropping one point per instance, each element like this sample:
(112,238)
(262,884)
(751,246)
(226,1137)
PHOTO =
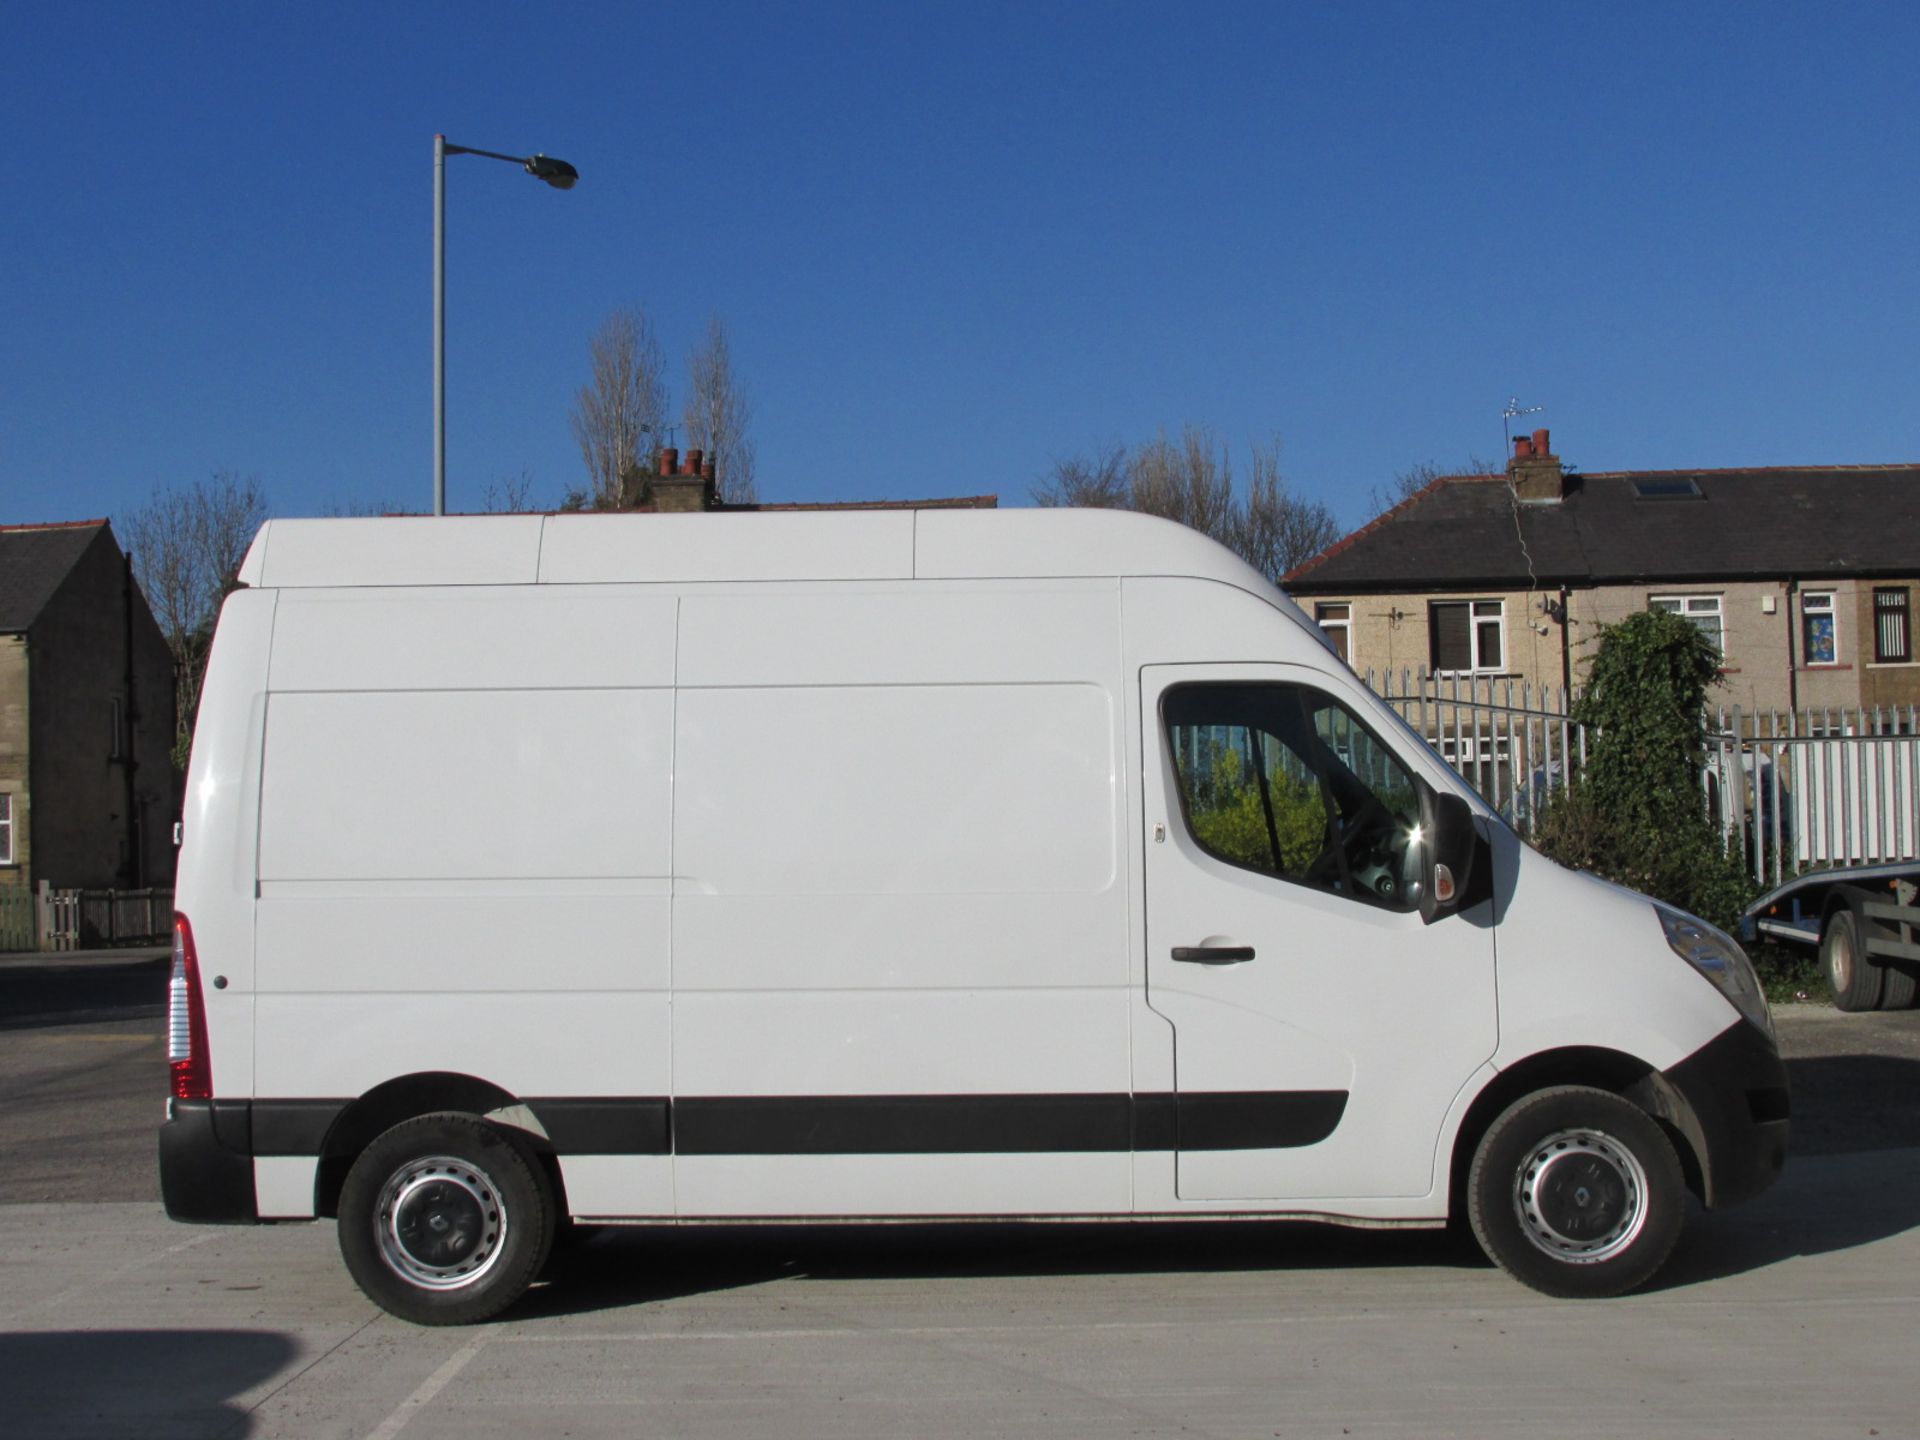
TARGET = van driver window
(1286,781)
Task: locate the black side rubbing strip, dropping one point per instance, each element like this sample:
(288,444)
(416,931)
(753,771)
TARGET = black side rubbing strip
(867,1124)
(899,1124)
(293,1127)
(605,1127)
(1002,1124)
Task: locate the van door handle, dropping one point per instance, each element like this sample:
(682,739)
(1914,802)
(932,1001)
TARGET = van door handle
(1213,954)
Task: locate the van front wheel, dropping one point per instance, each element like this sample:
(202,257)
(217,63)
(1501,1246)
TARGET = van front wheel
(1576,1193)
(443,1220)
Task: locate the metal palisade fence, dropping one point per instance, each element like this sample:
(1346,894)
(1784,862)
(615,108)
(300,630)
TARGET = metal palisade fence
(1816,788)
(1795,790)
(1512,741)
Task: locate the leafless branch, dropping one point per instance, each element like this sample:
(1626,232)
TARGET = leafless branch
(716,415)
(621,405)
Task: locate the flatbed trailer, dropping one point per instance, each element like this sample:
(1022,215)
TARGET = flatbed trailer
(1863,921)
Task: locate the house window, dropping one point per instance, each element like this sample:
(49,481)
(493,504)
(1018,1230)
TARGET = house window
(1702,610)
(1818,643)
(1336,619)
(1892,633)
(6,829)
(1467,634)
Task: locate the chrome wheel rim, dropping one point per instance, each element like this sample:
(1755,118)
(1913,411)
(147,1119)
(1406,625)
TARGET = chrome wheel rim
(1840,956)
(441,1223)
(1580,1196)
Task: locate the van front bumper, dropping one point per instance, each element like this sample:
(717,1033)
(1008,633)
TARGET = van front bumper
(1734,1093)
(206,1163)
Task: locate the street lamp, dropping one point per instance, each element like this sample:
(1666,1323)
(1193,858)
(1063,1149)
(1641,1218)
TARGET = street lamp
(557,173)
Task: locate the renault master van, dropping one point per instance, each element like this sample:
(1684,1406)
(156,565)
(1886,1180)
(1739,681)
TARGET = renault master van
(836,866)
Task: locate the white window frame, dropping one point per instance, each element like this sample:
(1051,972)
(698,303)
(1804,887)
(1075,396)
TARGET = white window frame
(1697,608)
(1881,619)
(6,829)
(1479,613)
(1329,623)
(1828,606)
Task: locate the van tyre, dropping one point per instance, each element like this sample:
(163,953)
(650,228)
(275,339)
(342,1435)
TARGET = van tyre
(1576,1193)
(1855,981)
(444,1221)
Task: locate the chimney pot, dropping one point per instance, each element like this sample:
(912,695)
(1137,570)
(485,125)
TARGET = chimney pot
(1522,448)
(1540,446)
(692,463)
(669,459)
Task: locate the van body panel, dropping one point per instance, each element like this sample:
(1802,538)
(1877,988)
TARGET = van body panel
(283,1186)
(467,785)
(412,550)
(521,637)
(219,830)
(692,549)
(618,1187)
(1609,980)
(926,633)
(902,882)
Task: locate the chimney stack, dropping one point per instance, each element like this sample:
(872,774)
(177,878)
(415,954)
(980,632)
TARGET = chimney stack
(682,486)
(1535,472)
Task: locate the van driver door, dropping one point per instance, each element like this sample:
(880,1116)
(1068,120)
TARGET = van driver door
(1321,1031)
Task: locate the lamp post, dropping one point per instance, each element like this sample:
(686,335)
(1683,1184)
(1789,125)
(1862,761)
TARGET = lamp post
(557,173)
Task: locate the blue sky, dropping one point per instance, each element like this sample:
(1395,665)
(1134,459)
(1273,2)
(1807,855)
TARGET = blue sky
(954,242)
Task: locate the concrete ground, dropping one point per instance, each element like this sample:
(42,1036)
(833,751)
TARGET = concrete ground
(1793,1316)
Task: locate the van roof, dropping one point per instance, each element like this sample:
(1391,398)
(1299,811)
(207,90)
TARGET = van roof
(626,548)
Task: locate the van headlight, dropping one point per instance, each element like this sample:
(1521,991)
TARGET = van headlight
(1716,955)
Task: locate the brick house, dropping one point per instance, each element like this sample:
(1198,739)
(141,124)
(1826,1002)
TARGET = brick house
(86,715)
(1805,577)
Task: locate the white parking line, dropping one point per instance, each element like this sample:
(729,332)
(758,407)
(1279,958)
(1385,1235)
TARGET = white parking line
(429,1387)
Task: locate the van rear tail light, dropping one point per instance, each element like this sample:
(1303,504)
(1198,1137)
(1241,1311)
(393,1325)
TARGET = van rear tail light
(187,1055)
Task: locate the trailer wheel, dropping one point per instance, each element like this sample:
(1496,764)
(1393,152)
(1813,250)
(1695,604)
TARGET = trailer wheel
(1897,993)
(1576,1193)
(443,1221)
(1856,982)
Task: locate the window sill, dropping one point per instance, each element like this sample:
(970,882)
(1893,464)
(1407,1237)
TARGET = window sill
(1893,665)
(1817,669)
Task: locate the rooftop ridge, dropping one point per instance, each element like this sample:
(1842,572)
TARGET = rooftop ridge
(54,525)
(1749,470)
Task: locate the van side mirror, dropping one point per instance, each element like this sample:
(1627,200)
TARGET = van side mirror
(1446,823)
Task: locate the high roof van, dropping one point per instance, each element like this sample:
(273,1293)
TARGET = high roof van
(838,866)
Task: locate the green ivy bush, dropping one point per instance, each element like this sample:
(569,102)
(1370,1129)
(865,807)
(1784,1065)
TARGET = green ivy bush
(1635,814)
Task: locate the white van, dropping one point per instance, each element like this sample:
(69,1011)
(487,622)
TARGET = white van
(829,866)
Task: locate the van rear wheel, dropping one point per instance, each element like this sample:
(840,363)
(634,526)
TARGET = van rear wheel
(443,1221)
(1576,1193)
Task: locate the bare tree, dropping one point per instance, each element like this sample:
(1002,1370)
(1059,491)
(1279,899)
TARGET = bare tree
(1410,482)
(1092,482)
(715,415)
(1274,530)
(1191,480)
(508,494)
(187,545)
(623,403)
